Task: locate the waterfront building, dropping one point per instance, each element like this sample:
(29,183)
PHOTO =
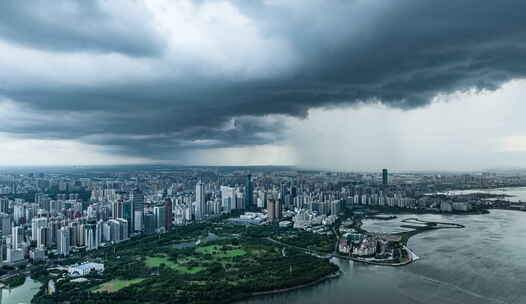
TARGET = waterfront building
(344,246)
(367,247)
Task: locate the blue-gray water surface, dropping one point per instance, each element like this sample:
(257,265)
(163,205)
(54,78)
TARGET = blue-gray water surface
(21,294)
(515,194)
(484,263)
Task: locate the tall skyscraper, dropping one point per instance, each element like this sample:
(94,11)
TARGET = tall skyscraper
(249,194)
(137,199)
(385,177)
(137,208)
(200,207)
(128,215)
(160,217)
(273,209)
(169,214)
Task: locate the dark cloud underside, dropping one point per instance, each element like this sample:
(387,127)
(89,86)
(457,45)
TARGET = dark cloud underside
(400,53)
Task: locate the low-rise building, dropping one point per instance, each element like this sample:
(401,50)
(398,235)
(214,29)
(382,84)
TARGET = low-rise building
(84,269)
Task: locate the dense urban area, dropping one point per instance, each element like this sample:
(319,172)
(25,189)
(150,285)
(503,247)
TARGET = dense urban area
(138,234)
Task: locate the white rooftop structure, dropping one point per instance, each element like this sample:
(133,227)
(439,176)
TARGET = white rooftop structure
(84,269)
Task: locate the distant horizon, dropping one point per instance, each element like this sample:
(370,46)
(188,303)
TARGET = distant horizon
(291,167)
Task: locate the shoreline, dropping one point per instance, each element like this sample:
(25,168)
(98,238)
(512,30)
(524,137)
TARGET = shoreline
(412,258)
(335,275)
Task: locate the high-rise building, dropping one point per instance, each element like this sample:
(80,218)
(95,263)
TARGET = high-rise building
(36,224)
(385,177)
(249,194)
(128,215)
(43,237)
(169,214)
(123,228)
(117,209)
(90,232)
(149,223)
(138,220)
(159,213)
(18,213)
(63,241)
(5,224)
(17,237)
(137,204)
(228,198)
(200,207)
(98,232)
(273,209)
(4,205)
(112,231)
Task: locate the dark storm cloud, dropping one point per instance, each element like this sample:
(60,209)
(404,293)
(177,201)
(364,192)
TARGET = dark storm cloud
(77,25)
(400,53)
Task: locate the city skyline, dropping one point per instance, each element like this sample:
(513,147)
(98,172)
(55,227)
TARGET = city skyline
(356,85)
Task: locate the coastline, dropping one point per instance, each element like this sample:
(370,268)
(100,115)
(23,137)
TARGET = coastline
(412,258)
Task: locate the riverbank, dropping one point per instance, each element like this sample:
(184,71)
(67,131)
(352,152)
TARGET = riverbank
(277,291)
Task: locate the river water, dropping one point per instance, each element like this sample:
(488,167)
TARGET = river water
(484,263)
(21,294)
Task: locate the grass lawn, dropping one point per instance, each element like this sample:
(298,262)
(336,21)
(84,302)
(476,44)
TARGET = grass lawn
(115,285)
(216,251)
(153,262)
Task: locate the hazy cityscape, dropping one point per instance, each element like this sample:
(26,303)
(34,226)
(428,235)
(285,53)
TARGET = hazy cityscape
(262,151)
(65,231)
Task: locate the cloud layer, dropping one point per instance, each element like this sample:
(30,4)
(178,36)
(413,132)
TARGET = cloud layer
(155,79)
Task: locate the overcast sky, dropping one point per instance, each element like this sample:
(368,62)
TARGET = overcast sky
(343,84)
